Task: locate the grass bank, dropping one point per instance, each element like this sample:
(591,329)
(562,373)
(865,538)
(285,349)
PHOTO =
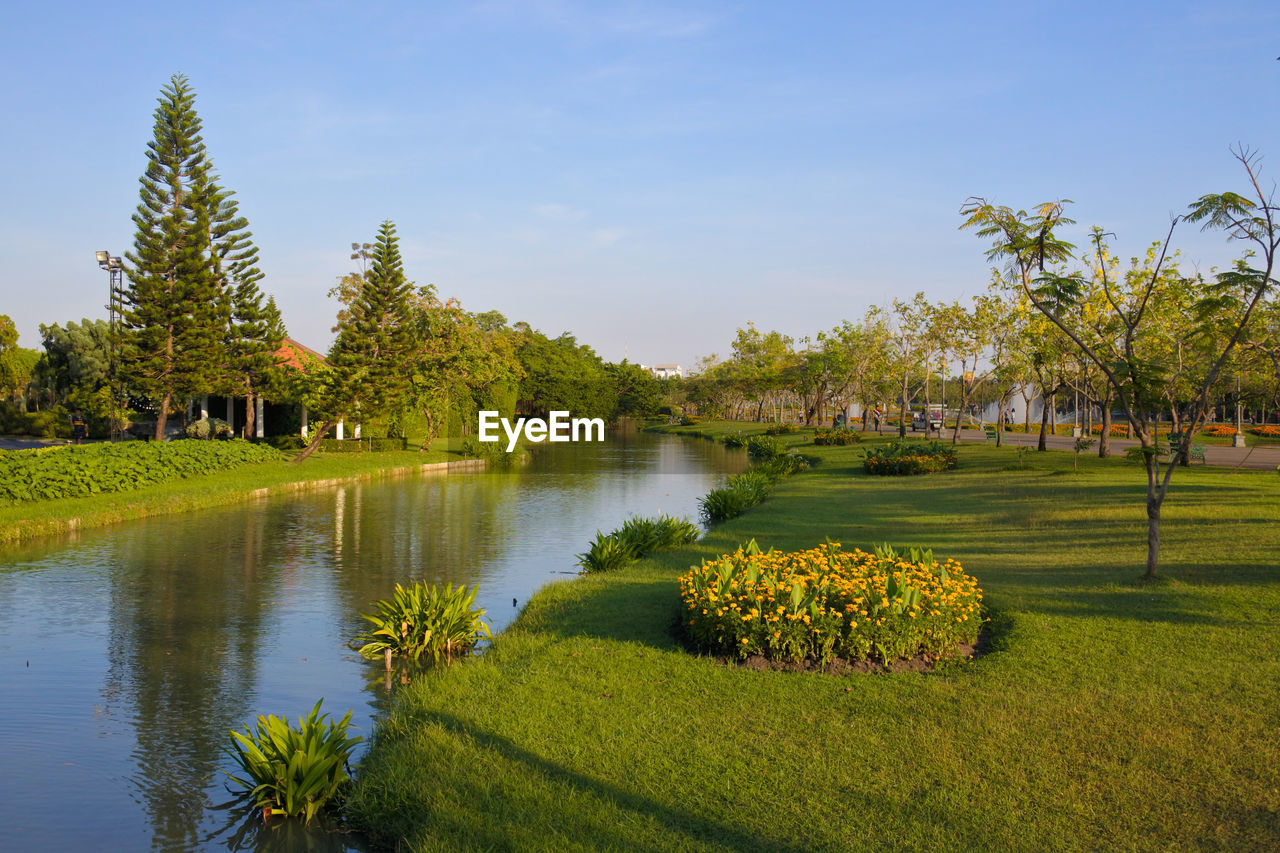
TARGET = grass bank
(1108,713)
(43,518)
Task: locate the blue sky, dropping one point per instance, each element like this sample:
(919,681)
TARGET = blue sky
(648,176)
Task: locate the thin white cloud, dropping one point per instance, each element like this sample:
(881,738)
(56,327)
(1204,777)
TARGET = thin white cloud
(560,213)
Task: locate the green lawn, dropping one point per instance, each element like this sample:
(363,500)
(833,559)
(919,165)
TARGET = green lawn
(1108,713)
(41,518)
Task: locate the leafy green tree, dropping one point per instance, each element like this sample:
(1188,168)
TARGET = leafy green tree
(1139,378)
(17,364)
(75,369)
(637,391)
(174,316)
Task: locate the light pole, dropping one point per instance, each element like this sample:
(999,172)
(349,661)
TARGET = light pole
(115,289)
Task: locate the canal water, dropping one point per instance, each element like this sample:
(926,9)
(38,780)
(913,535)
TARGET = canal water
(127,654)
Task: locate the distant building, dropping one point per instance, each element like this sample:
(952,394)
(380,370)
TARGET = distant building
(667,371)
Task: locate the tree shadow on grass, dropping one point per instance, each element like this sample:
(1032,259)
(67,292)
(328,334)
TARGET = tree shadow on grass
(627,609)
(1144,603)
(580,825)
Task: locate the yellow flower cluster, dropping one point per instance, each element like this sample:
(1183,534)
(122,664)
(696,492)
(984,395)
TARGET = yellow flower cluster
(826,603)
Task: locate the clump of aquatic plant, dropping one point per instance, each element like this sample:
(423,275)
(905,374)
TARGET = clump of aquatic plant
(636,538)
(734,440)
(763,447)
(420,620)
(298,770)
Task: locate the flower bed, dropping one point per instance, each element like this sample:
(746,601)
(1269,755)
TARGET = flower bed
(836,437)
(825,604)
(904,458)
(1220,430)
(1266,431)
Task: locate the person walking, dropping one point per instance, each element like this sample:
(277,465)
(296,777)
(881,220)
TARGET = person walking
(79,427)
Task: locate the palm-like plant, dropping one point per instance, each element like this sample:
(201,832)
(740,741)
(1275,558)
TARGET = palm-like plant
(424,620)
(295,771)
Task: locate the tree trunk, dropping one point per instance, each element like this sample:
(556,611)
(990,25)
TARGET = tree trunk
(1104,439)
(321,429)
(1044,423)
(1153,526)
(162,416)
(250,414)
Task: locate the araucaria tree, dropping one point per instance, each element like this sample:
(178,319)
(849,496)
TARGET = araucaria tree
(193,319)
(173,316)
(370,366)
(1127,349)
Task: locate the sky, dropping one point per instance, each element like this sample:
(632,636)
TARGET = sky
(646,176)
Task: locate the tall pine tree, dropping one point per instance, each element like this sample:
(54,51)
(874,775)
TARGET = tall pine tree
(371,363)
(254,331)
(174,316)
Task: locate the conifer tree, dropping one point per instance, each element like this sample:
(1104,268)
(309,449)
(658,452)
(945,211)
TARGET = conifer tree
(174,317)
(254,331)
(371,363)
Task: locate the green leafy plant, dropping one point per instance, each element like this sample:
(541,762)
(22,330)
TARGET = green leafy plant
(421,620)
(763,447)
(295,771)
(734,440)
(781,429)
(607,552)
(90,469)
(635,539)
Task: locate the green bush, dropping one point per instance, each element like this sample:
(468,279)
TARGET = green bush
(734,440)
(637,538)
(784,465)
(836,437)
(208,428)
(781,429)
(689,421)
(903,457)
(297,771)
(50,423)
(737,496)
(421,620)
(763,447)
(77,470)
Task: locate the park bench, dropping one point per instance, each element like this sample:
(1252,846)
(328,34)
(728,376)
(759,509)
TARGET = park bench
(1196,454)
(991,433)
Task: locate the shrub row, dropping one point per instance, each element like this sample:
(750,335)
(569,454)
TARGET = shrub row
(635,539)
(903,457)
(361,445)
(781,429)
(78,470)
(825,603)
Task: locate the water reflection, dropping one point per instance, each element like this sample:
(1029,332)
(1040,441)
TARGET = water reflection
(126,655)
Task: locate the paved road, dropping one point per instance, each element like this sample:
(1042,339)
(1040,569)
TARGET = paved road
(1260,456)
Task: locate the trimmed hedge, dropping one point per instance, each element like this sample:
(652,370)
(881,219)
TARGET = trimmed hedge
(362,445)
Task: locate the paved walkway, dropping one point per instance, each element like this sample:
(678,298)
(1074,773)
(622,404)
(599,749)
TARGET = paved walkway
(1258,456)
